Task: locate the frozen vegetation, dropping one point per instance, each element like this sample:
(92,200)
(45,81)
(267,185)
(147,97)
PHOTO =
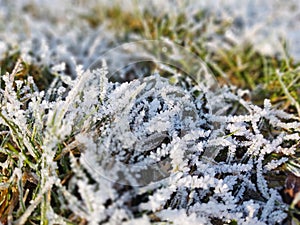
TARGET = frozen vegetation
(87,141)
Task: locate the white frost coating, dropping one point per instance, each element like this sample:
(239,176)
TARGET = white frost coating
(183,163)
(171,168)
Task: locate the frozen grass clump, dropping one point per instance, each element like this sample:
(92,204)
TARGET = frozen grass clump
(79,148)
(143,151)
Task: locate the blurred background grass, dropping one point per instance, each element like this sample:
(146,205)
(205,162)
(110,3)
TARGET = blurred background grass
(239,63)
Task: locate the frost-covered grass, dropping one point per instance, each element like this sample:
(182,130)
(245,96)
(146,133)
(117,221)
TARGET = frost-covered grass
(147,145)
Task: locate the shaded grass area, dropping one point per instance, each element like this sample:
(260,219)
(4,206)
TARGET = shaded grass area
(41,74)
